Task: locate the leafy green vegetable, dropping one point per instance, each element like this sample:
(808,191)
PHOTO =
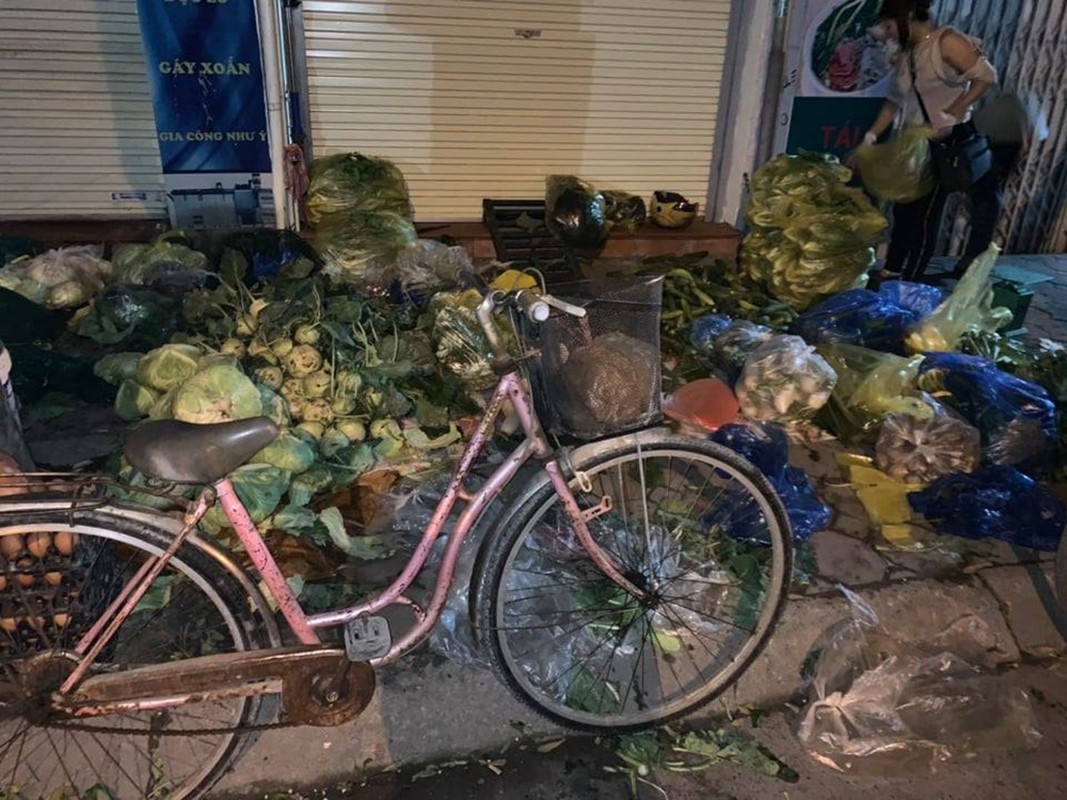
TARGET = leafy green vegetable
(168,367)
(117,367)
(133,400)
(355,244)
(348,181)
(287,452)
(220,393)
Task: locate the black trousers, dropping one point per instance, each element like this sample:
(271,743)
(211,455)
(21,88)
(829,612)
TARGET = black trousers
(916,225)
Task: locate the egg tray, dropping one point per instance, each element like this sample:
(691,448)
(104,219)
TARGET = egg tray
(50,602)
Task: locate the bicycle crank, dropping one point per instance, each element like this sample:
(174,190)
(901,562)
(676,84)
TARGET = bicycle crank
(318,686)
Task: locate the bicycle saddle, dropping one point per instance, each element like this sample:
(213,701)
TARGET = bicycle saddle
(186,453)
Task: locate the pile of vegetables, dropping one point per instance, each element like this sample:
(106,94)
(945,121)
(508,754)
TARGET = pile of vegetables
(362,213)
(811,235)
(68,277)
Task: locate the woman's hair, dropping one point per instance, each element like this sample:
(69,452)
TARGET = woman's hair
(904,11)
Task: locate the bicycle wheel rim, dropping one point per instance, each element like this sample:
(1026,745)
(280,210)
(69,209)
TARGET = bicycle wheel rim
(550,689)
(101,759)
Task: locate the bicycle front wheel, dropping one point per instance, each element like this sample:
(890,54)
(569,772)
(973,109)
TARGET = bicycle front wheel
(60,571)
(690,523)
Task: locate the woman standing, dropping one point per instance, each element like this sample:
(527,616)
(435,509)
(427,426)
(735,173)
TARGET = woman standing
(940,75)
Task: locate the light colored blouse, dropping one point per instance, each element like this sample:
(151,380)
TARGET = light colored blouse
(939,82)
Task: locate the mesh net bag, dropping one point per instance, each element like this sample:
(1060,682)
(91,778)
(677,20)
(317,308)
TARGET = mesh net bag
(599,375)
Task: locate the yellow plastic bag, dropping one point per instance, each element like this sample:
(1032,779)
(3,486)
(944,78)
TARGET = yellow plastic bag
(969,307)
(870,385)
(899,170)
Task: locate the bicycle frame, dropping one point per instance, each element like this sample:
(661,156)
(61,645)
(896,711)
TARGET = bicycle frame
(511,387)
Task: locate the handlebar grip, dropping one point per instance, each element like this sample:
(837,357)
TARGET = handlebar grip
(533,307)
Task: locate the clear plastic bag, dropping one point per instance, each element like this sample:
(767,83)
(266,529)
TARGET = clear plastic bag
(356,245)
(706,329)
(859,317)
(900,170)
(999,502)
(969,307)
(784,380)
(354,182)
(920,450)
(732,348)
(879,705)
(1017,418)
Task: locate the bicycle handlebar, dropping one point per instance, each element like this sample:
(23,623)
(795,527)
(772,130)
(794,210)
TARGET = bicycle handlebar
(536,308)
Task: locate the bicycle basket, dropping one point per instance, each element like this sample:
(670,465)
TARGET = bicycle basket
(599,375)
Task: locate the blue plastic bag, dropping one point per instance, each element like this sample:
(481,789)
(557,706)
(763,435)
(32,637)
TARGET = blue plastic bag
(996,501)
(705,330)
(767,448)
(858,317)
(1017,418)
(918,298)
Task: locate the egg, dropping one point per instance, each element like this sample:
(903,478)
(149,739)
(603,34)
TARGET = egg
(11,480)
(11,545)
(61,620)
(65,542)
(38,543)
(51,578)
(8,624)
(3,582)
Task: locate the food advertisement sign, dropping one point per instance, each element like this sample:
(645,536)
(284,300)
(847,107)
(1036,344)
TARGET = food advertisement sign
(837,74)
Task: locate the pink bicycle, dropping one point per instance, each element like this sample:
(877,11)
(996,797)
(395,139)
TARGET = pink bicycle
(621,583)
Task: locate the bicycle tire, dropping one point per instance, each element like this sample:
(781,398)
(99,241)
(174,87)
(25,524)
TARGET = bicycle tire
(507,537)
(125,540)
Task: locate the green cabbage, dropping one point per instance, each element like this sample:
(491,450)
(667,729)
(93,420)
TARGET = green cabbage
(220,393)
(133,400)
(260,488)
(168,367)
(353,181)
(274,406)
(287,452)
(117,367)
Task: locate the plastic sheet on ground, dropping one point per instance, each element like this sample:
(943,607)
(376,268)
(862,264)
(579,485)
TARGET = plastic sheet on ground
(879,705)
(1017,418)
(766,446)
(784,380)
(998,502)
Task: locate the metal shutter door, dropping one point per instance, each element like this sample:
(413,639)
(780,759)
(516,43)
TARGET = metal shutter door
(484,99)
(76,120)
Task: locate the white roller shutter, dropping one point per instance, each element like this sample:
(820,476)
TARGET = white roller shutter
(76,120)
(483,99)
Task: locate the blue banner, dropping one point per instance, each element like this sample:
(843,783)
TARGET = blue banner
(207,84)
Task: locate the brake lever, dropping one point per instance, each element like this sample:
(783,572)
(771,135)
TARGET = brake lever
(565,307)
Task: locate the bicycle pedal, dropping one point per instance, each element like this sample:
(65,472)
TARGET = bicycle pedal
(367,638)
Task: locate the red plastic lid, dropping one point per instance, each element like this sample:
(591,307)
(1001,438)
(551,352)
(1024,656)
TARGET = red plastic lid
(706,404)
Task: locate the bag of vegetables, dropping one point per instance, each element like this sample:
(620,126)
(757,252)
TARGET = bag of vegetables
(969,307)
(355,182)
(900,170)
(921,450)
(784,380)
(858,317)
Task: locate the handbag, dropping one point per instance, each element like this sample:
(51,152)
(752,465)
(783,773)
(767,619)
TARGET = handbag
(961,159)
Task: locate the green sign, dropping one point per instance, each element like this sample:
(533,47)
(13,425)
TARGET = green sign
(830,124)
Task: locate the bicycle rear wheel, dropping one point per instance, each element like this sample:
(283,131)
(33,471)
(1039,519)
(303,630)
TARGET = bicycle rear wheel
(60,571)
(692,524)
